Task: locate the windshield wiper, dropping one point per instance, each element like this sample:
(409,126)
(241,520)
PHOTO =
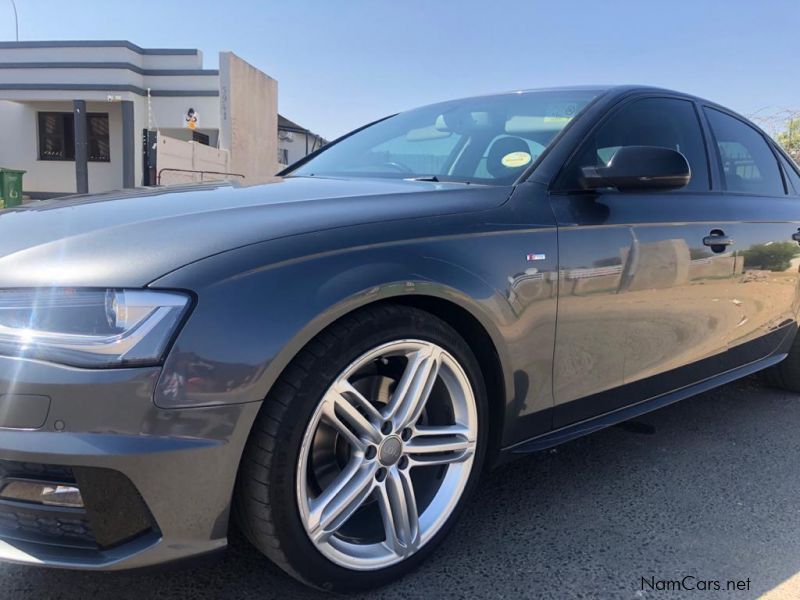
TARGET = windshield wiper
(435,179)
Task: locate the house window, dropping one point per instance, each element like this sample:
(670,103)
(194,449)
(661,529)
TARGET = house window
(283,156)
(57,136)
(97,130)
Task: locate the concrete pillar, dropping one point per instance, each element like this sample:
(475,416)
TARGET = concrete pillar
(128,146)
(81,147)
(248,118)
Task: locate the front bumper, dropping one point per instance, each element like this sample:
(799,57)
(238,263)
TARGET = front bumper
(157,484)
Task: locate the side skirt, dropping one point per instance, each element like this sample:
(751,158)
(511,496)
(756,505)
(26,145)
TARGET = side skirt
(576,430)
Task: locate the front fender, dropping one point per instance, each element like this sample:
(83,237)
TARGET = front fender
(257,306)
(250,320)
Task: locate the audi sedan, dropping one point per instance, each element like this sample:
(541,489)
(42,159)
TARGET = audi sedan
(330,360)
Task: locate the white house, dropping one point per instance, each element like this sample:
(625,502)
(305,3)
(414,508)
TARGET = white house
(295,142)
(91,116)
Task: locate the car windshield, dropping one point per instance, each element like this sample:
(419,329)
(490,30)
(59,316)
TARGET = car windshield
(488,140)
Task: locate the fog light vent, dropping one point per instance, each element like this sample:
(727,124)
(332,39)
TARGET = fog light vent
(42,492)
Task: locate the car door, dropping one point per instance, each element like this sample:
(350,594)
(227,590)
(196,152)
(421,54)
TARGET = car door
(644,305)
(759,191)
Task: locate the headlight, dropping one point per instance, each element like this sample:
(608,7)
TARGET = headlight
(89,328)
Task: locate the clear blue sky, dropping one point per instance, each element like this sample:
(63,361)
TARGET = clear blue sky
(342,63)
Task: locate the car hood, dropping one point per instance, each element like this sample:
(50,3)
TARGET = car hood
(130,238)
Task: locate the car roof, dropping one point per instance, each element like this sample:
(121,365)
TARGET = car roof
(611,93)
(607,90)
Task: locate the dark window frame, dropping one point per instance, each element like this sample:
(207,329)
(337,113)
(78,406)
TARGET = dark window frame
(558,183)
(788,164)
(66,121)
(723,183)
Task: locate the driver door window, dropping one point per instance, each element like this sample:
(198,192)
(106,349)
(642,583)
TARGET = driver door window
(663,122)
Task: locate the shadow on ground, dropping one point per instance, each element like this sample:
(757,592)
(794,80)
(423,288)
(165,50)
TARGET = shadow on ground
(707,488)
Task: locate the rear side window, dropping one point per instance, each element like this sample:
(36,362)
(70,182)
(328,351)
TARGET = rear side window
(748,163)
(663,122)
(791,175)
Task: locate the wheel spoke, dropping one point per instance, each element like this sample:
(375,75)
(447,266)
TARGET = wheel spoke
(399,511)
(346,389)
(440,445)
(414,387)
(348,421)
(331,509)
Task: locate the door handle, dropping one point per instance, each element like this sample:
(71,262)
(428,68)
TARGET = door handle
(717,240)
(724,240)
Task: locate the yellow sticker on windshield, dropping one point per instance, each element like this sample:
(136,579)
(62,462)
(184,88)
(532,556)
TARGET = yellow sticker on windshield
(516,159)
(560,113)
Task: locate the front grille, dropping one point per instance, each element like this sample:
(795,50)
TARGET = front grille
(11,468)
(45,526)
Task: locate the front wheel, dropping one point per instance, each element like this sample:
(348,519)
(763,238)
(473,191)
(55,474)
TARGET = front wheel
(365,451)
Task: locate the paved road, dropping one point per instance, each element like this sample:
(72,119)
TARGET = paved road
(708,488)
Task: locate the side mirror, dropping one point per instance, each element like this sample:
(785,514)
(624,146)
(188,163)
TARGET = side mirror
(640,168)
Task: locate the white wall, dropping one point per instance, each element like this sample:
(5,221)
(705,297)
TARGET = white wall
(185,134)
(172,61)
(19,124)
(120,76)
(103,54)
(192,156)
(169,113)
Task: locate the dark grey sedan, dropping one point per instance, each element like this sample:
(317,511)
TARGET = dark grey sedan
(329,361)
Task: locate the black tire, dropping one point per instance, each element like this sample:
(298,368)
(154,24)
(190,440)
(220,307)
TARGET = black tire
(265,504)
(786,374)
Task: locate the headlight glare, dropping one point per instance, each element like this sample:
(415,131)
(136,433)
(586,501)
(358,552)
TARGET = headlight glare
(89,328)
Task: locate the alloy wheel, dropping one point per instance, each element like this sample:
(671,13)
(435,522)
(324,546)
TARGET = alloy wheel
(387,454)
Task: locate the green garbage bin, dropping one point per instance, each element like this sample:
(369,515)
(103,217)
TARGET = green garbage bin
(10,187)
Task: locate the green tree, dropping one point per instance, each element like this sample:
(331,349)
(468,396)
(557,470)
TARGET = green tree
(790,138)
(770,257)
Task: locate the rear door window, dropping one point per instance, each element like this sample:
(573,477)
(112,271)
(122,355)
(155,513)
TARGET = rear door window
(748,163)
(791,175)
